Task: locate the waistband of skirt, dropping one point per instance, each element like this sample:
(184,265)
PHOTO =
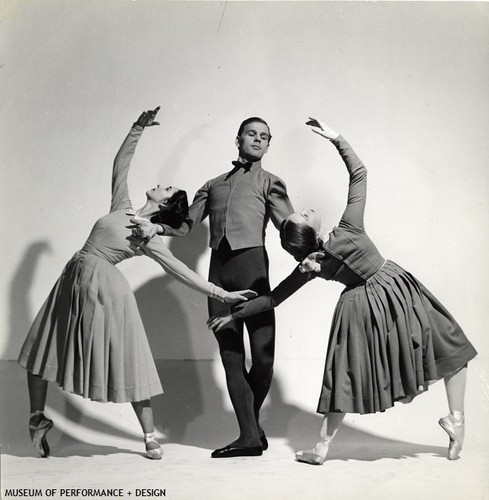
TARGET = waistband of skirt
(386,261)
(84,252)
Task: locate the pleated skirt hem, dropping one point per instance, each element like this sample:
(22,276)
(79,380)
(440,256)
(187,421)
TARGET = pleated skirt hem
(390,339)
(89,338)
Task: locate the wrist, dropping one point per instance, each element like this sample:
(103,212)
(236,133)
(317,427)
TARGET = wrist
(218,293)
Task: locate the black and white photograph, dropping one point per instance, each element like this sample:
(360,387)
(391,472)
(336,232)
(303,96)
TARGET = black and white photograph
(244,249)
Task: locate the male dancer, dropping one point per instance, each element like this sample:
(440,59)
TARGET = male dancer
(239,204)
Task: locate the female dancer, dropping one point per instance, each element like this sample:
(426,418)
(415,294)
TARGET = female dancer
(88,336)
(390,337)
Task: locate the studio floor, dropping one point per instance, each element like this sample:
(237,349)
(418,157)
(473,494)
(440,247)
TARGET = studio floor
(400,454)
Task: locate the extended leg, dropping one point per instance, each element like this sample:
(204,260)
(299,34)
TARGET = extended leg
(329,428)
(237,270)
(39,425)
(232,353)
(38,389)
(261,329)
(454,422)
(144,413)
(455,388)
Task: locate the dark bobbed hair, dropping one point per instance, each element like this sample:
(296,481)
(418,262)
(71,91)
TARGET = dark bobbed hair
(298,239)
(251,120)
(174,212)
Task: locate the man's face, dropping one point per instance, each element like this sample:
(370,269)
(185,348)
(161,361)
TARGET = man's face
(254,141)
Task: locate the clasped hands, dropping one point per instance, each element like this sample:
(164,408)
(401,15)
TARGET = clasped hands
(310,264)
(142,228)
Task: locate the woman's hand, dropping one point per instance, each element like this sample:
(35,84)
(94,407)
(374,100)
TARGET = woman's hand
(217,322)
(147,118)
(322,129)
(143,228)
(239,296)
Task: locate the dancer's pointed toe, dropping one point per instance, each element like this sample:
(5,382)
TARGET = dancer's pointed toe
(39,426)
(456,432)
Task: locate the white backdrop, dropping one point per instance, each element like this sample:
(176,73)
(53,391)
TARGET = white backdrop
(405,83)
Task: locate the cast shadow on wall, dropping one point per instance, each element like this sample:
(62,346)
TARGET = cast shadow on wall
(193,411)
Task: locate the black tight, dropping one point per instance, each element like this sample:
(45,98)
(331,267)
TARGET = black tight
(236,270)
(247,389)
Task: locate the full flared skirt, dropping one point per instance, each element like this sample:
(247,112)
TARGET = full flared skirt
(390,338)
(89,337)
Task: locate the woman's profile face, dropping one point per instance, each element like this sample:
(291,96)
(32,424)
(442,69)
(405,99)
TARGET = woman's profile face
(160,194)
(306,217)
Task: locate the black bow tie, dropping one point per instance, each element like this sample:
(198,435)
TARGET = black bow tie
(239,165)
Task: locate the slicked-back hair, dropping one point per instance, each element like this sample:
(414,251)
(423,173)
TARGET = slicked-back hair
(251,120)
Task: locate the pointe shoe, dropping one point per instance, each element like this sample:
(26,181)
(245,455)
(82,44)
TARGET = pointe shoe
(456,432)
(153,449)
(39,426)
(316,456)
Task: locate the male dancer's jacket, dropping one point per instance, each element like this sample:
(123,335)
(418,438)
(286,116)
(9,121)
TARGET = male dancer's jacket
(239,205)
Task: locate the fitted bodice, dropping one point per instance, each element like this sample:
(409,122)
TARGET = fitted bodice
(111,238)
(350,258)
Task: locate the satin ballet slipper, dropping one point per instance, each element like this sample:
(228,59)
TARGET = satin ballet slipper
(456,432)
(153,448)
(39,426)
(316,456)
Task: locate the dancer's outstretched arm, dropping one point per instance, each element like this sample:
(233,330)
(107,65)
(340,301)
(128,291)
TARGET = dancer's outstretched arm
(281,292)
(158,251)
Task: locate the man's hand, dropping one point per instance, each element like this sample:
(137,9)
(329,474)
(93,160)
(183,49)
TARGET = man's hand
(217,322)
(143,228)
(311,263)
(147,118)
